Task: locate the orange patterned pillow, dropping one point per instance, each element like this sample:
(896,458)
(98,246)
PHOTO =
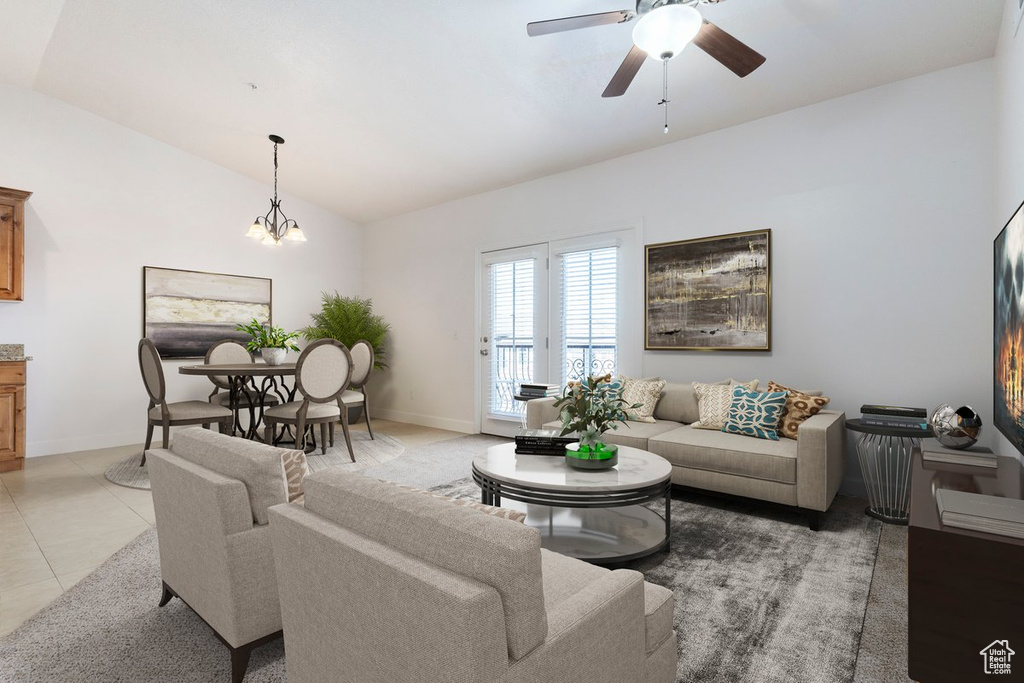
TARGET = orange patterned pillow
(799,407)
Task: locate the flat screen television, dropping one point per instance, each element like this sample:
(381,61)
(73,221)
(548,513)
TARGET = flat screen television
(1008,337)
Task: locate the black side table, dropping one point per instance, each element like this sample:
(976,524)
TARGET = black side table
(884,456)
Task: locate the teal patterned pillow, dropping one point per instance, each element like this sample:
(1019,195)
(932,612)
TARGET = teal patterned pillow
(755,414)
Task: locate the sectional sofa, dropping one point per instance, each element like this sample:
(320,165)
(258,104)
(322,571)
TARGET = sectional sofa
(804,473)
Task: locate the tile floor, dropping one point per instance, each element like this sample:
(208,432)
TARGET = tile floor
(60,519)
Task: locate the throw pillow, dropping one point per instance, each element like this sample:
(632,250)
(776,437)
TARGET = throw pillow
(756,414)
(295,470)
(493,511)
(714,401)
(799,407)
(646,392)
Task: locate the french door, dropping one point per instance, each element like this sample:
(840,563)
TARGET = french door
(551,313)
(513,346)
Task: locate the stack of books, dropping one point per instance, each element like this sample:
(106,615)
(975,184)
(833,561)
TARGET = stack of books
(978,512)
(538,390)
(543,441)
(900,417)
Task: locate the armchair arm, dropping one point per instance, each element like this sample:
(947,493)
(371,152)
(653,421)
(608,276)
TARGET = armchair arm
(606,619)
(540,411)
(820,459)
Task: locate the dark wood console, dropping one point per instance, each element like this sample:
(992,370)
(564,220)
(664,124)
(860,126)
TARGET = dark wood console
(966,589)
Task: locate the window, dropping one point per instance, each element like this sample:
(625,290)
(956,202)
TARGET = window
(512,332)
(589,313)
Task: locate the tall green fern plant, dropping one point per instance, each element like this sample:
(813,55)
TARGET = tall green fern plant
(349,319)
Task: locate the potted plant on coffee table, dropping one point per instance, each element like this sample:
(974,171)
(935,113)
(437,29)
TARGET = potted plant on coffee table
(590,408)
(272,342)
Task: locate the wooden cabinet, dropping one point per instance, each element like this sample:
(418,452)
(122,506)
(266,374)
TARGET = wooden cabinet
(965,588)
(12,244)
(12,415)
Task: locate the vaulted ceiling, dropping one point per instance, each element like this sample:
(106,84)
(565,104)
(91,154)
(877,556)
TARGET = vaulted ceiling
(387,107)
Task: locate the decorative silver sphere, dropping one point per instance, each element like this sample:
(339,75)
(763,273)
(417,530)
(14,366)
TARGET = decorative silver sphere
(956,427)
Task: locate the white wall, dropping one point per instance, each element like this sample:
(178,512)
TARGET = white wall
(108,201)
(1009,181)
(880,204)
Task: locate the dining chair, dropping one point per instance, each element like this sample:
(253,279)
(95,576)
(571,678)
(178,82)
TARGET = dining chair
(355,395)
(177,414)
(322,375)
(233,352)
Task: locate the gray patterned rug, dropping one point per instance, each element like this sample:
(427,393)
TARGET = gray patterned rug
(759,597)
(369,453)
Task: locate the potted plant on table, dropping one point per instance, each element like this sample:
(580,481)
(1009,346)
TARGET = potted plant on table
(590,408)
(272,342)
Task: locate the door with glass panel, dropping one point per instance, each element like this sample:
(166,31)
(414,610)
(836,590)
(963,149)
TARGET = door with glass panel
(513,342)
(586,311)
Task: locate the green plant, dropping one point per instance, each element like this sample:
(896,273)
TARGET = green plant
(271,337)
(590,408)
(349,319)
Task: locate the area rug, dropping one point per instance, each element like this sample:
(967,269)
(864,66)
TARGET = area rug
(369,453)
(759,597)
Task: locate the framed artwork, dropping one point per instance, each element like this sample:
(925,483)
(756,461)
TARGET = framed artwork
(185,311)
(1008,332)
(709,294)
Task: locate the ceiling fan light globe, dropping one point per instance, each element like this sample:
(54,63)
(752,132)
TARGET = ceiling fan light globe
(664,32)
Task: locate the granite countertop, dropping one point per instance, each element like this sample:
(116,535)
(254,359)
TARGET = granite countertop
(13,353)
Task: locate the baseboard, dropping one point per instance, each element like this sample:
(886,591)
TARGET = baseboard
(35,449)
(464,426)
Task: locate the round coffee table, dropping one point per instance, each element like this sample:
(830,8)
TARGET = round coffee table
(593,516)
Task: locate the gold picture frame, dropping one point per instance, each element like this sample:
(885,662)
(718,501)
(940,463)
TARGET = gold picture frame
(709,294)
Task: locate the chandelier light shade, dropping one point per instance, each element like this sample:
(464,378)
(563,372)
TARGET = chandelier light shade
(665,31)
(275,226)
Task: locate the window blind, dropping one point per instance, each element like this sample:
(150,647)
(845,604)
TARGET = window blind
(512,333)
(589,315)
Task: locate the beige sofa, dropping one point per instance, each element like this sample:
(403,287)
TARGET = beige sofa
(805,473)
(380,584)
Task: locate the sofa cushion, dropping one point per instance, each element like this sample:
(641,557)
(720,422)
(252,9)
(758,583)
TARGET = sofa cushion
(497,552)
(259,466)
(566,576)
(702,449)
(644,393)
(800,405)
(679,402)
(631,433)
(714,401)
(755,414)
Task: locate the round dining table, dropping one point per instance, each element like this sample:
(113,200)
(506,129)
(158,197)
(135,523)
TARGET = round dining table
(257,380)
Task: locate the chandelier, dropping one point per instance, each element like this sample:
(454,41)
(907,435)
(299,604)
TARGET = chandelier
(275,226)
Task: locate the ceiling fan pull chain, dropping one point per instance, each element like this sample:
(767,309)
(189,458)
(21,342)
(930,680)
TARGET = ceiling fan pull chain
(664,92)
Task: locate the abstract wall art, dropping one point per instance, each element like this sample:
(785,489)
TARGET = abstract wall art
(1008,335)
(712,293)
(185,311)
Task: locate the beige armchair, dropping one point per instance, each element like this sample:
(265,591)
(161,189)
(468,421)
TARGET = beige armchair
(379,584)
(210,494)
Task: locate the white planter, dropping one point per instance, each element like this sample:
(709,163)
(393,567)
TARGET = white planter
(273,356)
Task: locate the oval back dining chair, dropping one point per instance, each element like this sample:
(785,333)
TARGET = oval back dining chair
(226,351)
(177,414)
(322,375)
(362,366)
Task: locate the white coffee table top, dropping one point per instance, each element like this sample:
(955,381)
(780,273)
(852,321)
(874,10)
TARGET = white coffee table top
(636,469)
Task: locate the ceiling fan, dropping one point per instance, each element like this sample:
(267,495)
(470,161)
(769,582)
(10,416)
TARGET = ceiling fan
(664,28)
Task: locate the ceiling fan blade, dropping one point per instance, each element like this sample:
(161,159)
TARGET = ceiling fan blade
(540,28)
(733,54)
(626,72)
